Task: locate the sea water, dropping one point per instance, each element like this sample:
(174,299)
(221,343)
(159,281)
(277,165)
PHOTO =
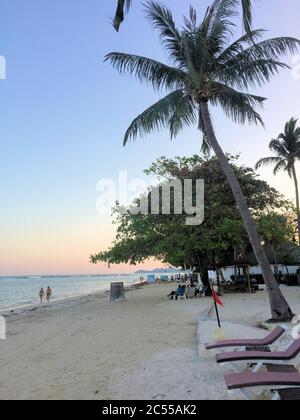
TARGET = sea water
(23,291)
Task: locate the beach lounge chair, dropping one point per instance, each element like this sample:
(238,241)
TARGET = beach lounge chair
(190,292)
(266,341)
(288,383)
(262,379)
(261,356)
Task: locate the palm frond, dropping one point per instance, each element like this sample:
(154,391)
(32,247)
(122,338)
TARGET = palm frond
(238,46)
(267,161)
(122,7)
(231,6)
(282,166)
(270,49)
(274,48)
(244,74)
(191,21)
(256,64)
(247,15)
(278,148)
(291,136)
(161,18)
(173,111)
(222,22)
(147,70)
(239,106)
(184,114)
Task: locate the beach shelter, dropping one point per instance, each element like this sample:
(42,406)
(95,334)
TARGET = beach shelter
(151,279)
(117,292)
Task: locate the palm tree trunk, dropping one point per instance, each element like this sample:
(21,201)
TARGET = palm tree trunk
(297,200)
(279,307)
(275,263)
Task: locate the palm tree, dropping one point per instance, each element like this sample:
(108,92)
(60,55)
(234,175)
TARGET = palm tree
(287,151)
(124,5)
(206,70)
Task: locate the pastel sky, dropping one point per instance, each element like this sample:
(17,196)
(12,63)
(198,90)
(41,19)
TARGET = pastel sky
(62,117)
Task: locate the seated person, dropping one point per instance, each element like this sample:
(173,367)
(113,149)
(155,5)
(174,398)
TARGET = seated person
(175,293)
(180,291)
(191,290)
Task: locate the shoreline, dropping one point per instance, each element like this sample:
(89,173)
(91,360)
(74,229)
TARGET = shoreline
(57,302)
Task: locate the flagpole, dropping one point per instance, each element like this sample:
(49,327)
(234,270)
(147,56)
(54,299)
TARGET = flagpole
(216,306)
(217,312)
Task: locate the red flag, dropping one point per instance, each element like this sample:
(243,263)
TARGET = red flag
(216,297)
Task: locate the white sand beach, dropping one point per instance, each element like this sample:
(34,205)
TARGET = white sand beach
(144,348)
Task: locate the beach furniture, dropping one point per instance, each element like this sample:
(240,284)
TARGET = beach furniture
(181,293)
(235,287)
(287,380)
(261,379)
(190,292)
(285,394)
(261,356)
(151,279)
(117,292)
(266,341)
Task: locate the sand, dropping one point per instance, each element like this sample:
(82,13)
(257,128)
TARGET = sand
(145,348)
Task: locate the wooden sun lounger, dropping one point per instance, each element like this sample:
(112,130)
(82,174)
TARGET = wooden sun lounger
(266,341)
(285,392)
(238,356)
(261,379)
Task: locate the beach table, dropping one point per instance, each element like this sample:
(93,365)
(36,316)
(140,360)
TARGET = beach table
(117,292)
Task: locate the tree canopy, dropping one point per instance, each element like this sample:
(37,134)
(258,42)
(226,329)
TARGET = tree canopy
(169,239)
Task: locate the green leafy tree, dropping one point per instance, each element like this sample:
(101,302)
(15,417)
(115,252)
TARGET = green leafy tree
(287,152)
(205,69)
(276,231)
(167,238)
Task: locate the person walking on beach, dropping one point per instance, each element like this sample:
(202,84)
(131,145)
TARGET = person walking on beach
(42,294)
(48,294)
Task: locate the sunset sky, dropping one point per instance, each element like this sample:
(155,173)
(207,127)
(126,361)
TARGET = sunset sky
(63,114)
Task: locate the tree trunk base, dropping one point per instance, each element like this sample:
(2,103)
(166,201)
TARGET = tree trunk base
(286,318)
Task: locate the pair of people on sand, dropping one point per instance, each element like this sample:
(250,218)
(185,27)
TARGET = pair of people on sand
(48,294)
